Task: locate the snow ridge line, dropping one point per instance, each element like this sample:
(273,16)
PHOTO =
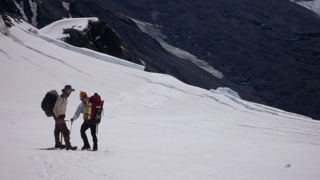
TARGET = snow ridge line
(15,39)
(261,108)
(87,52)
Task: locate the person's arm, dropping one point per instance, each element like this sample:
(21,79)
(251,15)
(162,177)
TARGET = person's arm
(78,112)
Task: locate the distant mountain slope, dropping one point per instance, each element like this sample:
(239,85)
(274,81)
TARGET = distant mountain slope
(136,46)
(265,49)
(313,5)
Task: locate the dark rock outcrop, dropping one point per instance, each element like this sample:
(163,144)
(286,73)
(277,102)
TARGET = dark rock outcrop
(97,36)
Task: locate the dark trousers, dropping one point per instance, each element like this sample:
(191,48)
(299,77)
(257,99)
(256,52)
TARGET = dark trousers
(84,127)
(61,128)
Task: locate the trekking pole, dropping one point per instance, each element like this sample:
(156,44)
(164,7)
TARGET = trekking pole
(71,128)
(61,141)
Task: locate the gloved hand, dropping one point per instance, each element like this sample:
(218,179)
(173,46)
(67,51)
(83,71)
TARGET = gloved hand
(59,121)
(61,116)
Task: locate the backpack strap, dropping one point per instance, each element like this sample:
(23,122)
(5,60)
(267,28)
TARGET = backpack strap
(86,112)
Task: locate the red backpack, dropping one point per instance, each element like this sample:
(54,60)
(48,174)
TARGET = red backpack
(95,109)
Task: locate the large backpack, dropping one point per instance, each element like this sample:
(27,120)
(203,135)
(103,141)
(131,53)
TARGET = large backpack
(94,110)
(49,101)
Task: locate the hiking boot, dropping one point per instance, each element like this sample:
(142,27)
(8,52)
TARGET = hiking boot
(61,146)
(71,147)
(85,147)
(95,146)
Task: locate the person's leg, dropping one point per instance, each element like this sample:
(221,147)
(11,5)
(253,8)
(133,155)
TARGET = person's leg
(56,133)
(83,130)
(66,133)
(93,129)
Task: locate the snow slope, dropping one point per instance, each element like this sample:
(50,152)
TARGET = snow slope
(155,127)
(156,33)
(313,5)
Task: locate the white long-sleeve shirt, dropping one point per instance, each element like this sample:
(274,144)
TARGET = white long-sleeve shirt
(81,109)
(60,107)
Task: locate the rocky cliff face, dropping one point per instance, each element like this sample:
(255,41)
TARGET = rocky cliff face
(267,51)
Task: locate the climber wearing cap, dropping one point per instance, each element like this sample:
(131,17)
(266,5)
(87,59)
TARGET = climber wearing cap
(83,108)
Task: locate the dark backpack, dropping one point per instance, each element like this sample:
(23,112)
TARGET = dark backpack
(95,109)
(48,102)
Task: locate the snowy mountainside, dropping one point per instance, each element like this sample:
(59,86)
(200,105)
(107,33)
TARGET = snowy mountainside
(221,43)
(154,127)
(313,5)
(3,28)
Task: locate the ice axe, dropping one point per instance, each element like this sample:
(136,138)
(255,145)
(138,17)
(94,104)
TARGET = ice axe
(70,126)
